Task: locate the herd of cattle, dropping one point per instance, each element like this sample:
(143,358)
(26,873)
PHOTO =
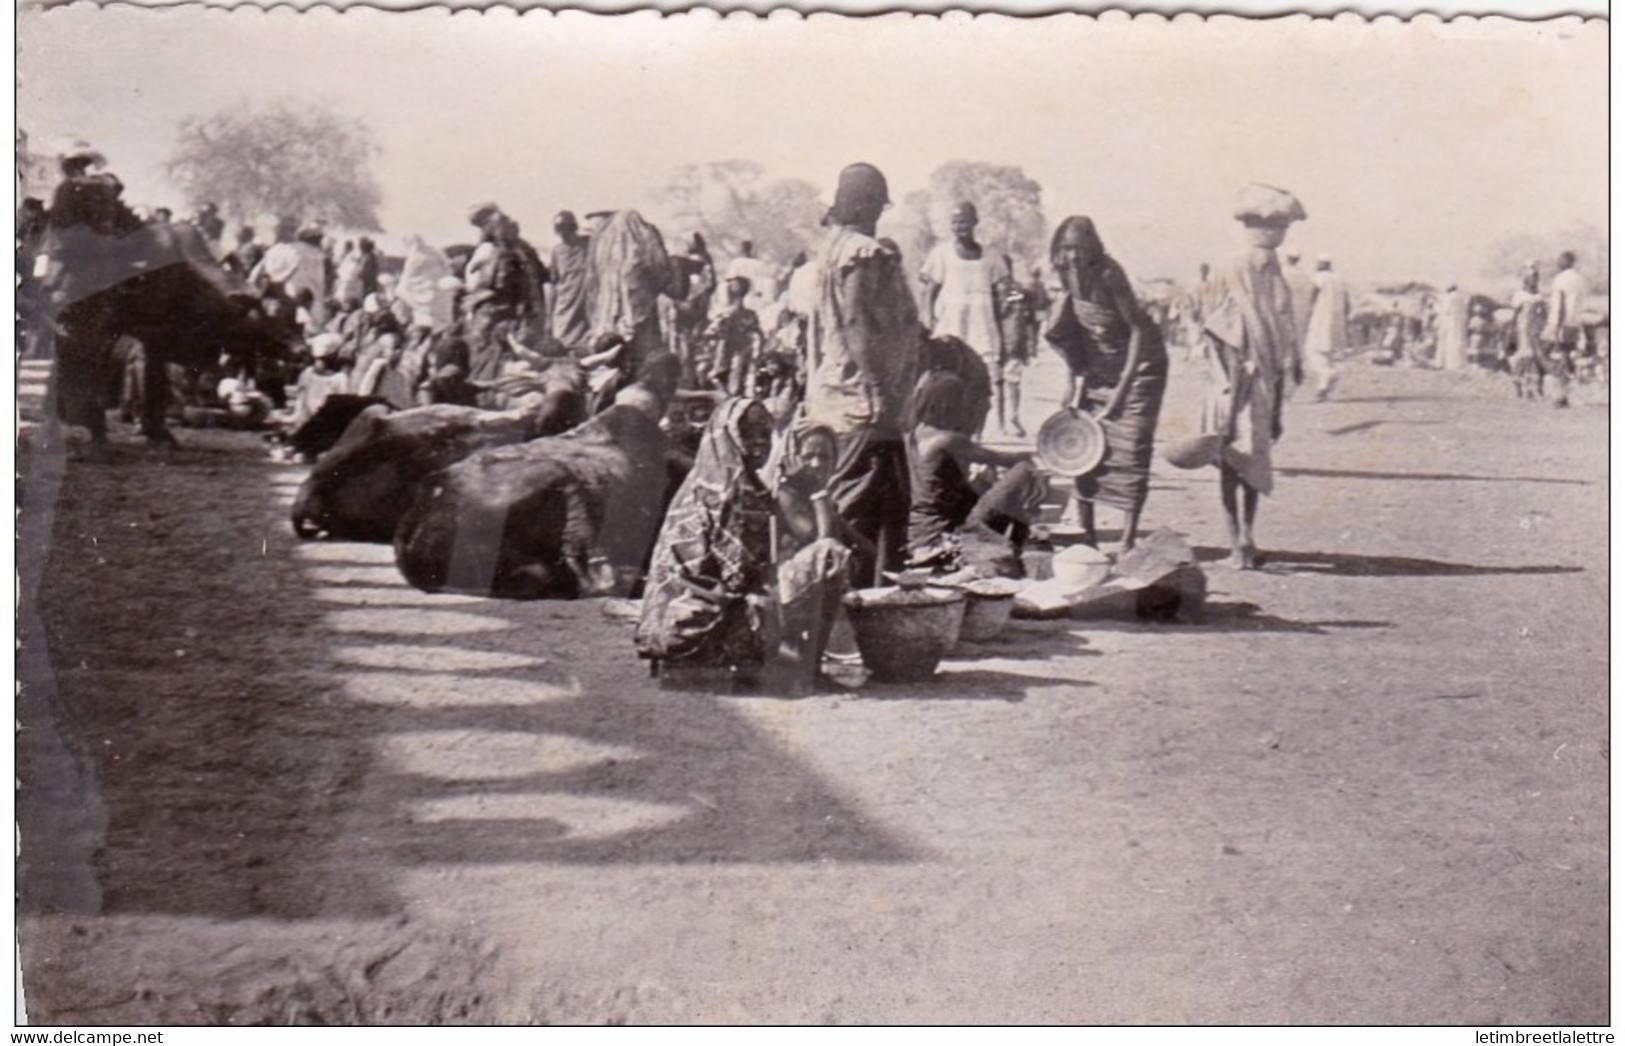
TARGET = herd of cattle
(544,500)
(531,503)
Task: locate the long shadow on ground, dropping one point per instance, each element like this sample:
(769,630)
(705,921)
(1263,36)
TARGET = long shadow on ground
(1430,477)
(1345,564)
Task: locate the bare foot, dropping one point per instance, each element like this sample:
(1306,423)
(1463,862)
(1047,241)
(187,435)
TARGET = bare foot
(1245,557)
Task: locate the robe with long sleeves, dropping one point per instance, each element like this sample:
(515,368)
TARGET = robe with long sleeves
(1250,344)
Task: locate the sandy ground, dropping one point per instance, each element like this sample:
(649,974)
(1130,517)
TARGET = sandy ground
(264,781)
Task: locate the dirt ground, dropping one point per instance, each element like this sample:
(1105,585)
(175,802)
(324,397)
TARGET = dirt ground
(264,781)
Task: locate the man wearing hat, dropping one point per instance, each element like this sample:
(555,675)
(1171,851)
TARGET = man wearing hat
(1251,348)
(1327,333)
(863,346)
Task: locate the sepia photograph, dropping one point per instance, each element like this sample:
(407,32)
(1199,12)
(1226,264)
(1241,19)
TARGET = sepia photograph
(701,518)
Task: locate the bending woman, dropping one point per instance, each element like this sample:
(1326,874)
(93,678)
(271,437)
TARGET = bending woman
(1119,369)
(705,604)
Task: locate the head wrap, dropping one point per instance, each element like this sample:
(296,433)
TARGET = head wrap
(1266,205)
(325,344)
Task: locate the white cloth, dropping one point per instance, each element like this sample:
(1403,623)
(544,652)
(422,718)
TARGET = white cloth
(1567,301)
(1303,293)
(420,285)
(1328,330)
(1452,330)
(297,267)
(965,300)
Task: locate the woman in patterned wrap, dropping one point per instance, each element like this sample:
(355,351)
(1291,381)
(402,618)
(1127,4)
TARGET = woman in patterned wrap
(1119,369)
(706,601)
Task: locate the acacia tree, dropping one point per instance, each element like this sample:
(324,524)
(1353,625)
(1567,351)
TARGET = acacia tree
(293,157)
(1009,205)
(730,202)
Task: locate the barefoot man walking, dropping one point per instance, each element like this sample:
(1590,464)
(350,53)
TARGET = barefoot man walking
(1251,346)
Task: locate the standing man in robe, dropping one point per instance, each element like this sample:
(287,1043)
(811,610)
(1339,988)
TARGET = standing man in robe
(863,349)
(1327,335)
(1303,296)
(571,306)
(1452,327)
(1251,346)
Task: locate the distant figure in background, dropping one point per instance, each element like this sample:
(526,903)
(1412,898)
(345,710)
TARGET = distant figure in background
(1451,321)
(347,275)
(241,259)
(1020,316)
(962,291)
(1303,289)
(1118,365)
(570,309)
(764,279)
(295,267)
(210,226)
(1327,335)
(504,296)
(426,286)
(368,252)
(1528,319)
(630,272)
(1190,314)
(1478,333)
(735,340)
(1251,346)
(1564,331)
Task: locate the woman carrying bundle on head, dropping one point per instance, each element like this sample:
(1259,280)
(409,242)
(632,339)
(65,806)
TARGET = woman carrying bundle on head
(1119,370)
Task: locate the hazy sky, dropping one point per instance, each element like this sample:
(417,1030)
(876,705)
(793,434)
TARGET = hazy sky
(1414,146)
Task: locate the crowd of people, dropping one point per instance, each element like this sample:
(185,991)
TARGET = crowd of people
(847,400)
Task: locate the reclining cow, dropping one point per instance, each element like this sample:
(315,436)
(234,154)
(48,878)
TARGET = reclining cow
(362,486)
(554,518)
(159,286)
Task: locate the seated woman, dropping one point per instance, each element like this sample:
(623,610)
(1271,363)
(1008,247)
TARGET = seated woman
(945,507)
(706,613)
(811,551)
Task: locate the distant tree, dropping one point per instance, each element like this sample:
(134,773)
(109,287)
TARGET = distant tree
(1009,204)
(1510,254)
(296,158)
(786,218)
(908,224)
(729,201)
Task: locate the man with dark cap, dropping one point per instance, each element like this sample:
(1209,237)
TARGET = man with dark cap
(1251,344)
(863,346)
(571,308)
